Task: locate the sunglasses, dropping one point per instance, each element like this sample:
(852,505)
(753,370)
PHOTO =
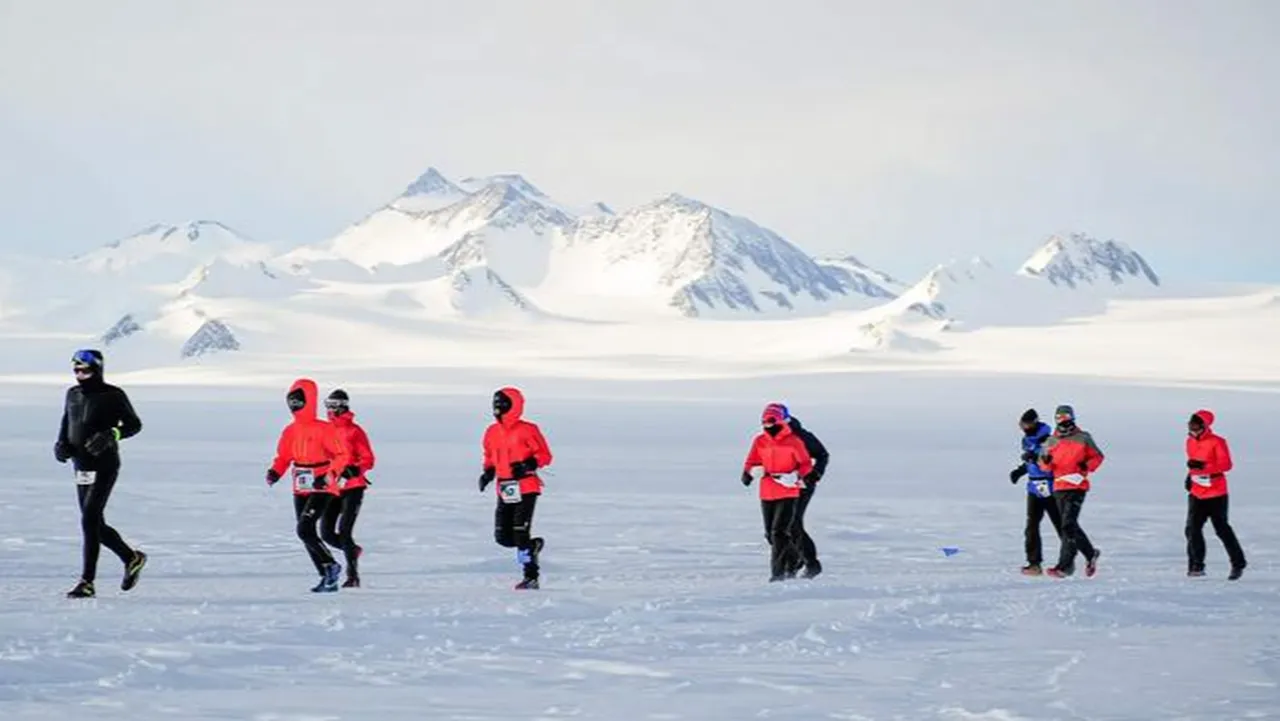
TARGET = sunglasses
(337,406)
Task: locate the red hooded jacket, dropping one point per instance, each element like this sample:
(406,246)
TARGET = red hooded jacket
(310,445)
(357,443)
(512,439)
(1210,481)
(781,455)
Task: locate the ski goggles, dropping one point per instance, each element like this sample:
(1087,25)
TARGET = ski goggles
(337,406)
(85,358)
(774,414)
(84,362)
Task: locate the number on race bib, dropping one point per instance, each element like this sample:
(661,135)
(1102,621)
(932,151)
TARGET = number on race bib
(509,491)
(303,479)
(86,478)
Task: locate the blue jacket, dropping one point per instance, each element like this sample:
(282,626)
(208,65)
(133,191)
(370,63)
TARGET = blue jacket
(1034,443)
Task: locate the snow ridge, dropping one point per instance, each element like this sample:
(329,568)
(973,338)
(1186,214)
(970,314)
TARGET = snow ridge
(1079,259)
(212,337)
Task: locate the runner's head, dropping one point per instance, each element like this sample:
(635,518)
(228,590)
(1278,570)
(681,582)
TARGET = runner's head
(1199,422)
(337,404)
(1029,422)
(1065,418)
(774,417)
(87,366)
(502,404)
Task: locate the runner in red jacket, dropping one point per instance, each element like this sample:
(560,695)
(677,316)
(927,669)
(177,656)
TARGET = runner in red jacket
(1071,455)
(340,515)
(787,467)
(1208,460)
(318,457)
(514,450)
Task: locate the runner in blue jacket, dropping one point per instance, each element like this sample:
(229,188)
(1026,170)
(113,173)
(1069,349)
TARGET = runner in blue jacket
(1039,488)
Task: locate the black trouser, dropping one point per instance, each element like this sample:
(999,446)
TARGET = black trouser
(1074,539)
(779,530)
(1200,510)
(1037,509)
(806,552)
(513,528)
(338,523)
(309,510)
(93,505)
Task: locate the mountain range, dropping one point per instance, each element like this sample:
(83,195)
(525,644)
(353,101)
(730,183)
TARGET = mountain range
(497,248)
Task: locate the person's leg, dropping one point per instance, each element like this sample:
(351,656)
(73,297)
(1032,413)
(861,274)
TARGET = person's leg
(1226,534)
(350,510)
(313,508)
(781,536)
(93,525)
(1197,514)
(1031,534)
(528,546)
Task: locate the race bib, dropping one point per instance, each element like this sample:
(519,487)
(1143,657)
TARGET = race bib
(509,491)
(1071,478)
(1202,480)
(1041,489)
(304,479)
(789,480)
(86,478)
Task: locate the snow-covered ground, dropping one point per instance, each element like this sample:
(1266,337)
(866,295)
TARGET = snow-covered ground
(655,603)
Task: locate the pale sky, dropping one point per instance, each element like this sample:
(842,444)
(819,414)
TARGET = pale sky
(902,131)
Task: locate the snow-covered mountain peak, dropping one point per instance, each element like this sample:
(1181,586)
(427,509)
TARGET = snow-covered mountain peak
(509,180)
(200,241)
(1077,259)
(432,182)
(681,203)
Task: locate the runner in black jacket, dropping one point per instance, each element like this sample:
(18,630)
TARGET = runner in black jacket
(95,418)
(808,551)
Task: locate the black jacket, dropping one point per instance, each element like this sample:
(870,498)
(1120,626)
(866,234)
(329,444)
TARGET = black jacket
(90,409)
(817,451)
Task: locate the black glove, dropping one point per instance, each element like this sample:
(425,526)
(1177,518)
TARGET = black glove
(351,471)
(521,469)
(746,478)
(486,478)
(1187,483)
(62,452)
(1083,467)
(100,443)
(272,476)
(812,478)
(1028,456)
(1195,465)
(1016,474)
(320,483)
(1047,458)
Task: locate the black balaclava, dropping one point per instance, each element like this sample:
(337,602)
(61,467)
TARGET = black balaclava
(90,360)
(1195,425)
(297,400)
(501,404)
(1030,421)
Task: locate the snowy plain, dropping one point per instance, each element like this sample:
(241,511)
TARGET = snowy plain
(655,603)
